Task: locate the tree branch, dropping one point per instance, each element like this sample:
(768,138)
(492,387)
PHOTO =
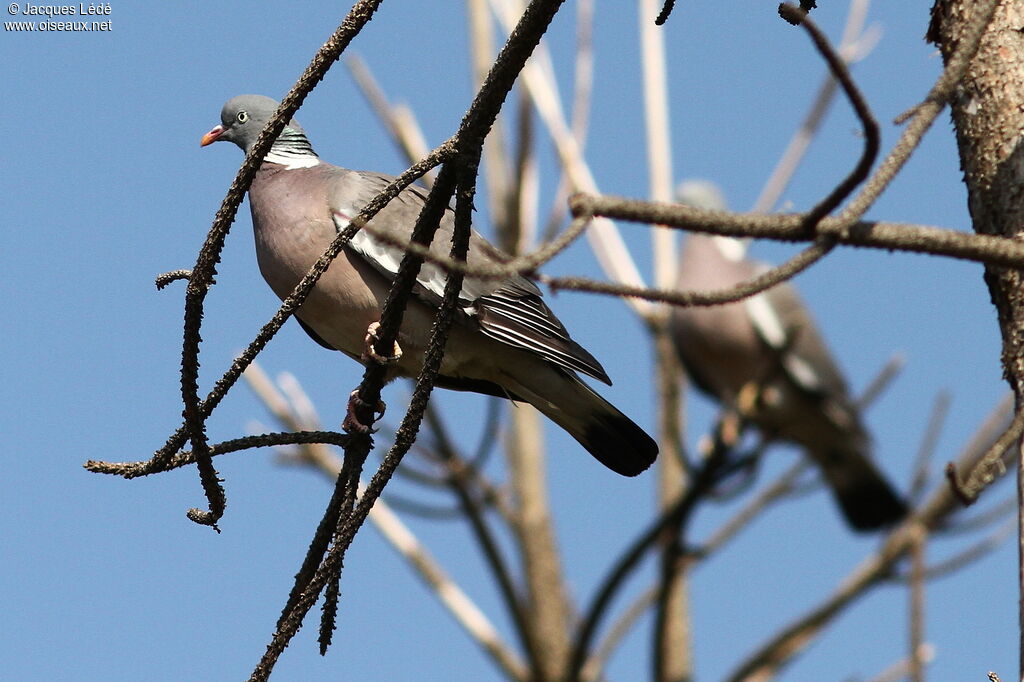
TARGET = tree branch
(787,227)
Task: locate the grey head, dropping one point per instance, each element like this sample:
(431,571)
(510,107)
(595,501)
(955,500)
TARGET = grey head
(242,119)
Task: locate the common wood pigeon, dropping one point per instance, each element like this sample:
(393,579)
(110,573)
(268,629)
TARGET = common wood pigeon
(764,358)
(505,342)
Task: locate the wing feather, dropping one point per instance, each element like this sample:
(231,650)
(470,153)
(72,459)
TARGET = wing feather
(510,311)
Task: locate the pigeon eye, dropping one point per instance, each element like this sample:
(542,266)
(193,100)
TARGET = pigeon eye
(242,116)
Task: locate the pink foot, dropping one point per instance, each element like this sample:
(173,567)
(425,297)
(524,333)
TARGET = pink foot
(369,353)
(351,423)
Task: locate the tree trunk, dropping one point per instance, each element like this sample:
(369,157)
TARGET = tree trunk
(988,112)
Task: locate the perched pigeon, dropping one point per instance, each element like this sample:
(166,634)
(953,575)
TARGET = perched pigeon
(763,357)
(505,341)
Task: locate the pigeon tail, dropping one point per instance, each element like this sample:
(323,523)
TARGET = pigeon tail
(867,501)
(607,434)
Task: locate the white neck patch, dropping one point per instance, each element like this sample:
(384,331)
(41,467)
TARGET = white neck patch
(291,161)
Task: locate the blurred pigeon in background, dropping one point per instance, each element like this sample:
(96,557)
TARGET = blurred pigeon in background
(764,358)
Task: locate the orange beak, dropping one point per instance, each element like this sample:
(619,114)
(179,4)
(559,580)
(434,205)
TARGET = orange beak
(211,137)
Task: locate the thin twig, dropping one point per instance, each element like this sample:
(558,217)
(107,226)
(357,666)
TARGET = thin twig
(673,516)
(618,631)
(776,490)
(971,554)
(469,616)
(604,237)
(671,644)
(162,280)
(461,482)
(186,457)
(583,76)
(497,173)
(917,582)
(925,114)
(771,493)
(929,443)
(965,526)
(663,15)
(658,139)
(297,412)
(488,440)
(990,468)
(898,671)
(780,273)
(872,135)
(801,140)
(876,386)
(398,121)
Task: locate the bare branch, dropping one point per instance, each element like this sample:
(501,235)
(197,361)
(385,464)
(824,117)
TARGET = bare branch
(458,603)
(850,49)
(881,381)
(872,136)
(770,494)
(766,280)
(618,632)
(498,175)
(917,582)
(390,526)
(671,646)
(659,142)
(925,113)
(583,88)
(541,565)
(929,443)
(460,480)
(673,519)
(398,121)
(890,236)
(990,468)
(972,553)
(186,457)
(604,238)
(899,670)
(166,278)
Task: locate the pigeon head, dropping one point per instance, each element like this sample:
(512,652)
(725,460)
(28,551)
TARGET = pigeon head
(242,119)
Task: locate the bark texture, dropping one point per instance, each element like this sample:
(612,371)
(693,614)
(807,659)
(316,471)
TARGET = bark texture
(988,113)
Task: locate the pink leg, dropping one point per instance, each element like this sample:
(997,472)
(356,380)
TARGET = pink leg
(369,353)
(351,422)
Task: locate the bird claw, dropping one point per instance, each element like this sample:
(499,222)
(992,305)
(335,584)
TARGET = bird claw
(369,353)
(351,423)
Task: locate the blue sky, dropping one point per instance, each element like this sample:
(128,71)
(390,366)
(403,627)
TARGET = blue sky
(105,186)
